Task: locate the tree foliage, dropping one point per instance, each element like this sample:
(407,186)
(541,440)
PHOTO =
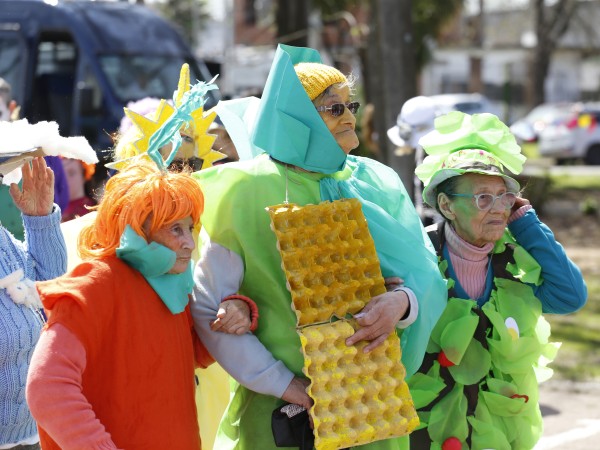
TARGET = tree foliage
(189,15)
(329,7)
(551,23)
(428,16)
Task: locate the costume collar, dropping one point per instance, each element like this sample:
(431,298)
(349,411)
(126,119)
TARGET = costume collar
(288,126)
(153,261)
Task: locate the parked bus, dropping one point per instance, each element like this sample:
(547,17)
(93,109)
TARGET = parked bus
(79,62)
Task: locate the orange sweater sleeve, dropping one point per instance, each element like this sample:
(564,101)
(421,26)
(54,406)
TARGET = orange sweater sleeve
(201,354)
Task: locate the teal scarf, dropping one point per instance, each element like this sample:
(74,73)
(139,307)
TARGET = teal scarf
(153,261)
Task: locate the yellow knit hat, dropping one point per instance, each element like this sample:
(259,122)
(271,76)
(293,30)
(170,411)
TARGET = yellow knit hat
(316,77)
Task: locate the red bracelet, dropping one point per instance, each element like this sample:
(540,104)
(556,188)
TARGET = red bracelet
(251,305)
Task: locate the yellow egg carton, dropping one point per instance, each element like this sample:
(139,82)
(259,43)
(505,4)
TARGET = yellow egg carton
(332,269)
(358,397)
(329,258)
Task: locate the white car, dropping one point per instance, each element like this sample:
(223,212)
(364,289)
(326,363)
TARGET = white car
(564,131)
(467,103)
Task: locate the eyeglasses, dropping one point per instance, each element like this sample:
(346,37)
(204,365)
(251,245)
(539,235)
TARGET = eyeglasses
(337,109)
(485,202)
(193,164)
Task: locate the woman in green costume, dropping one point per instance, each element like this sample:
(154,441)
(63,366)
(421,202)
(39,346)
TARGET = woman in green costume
(301,130)
(478,385)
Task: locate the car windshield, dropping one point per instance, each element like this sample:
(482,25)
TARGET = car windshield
(136,77)
(469,107)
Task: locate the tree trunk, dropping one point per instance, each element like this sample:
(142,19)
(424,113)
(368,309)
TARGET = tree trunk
(475,60)
(541,57)
(550,25)
(292,22)
(392,75)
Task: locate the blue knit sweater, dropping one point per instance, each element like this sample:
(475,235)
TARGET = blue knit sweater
(43,256)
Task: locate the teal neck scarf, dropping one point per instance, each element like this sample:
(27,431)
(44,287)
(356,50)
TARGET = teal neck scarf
(153,261)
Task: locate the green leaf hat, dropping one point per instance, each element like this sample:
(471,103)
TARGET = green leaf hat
(463,143)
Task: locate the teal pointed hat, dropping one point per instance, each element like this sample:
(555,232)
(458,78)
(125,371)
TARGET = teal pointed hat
(288,126)
(463,143)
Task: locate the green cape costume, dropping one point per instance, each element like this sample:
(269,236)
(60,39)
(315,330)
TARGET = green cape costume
(289,129)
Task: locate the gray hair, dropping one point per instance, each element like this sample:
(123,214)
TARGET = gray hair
(350,82)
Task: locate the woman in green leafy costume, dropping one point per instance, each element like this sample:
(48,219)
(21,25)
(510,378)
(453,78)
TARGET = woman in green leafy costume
(478,385)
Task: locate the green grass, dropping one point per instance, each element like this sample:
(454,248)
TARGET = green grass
(579,357)
(575,182)
(530,150)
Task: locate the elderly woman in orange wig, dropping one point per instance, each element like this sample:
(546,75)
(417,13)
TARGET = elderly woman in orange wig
(115,366)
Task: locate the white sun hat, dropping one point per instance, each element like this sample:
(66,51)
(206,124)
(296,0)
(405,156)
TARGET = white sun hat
(414,121)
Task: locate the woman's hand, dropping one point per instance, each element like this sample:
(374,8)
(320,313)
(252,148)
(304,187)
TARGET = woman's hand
(296,393)
(520,201)
(233,317)
(379,318)
(37,196)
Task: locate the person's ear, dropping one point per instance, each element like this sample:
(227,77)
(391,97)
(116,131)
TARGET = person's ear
(445,206)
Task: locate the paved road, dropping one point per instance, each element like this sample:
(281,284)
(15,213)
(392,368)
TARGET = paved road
(571,416)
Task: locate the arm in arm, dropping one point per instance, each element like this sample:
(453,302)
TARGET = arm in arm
(219,273)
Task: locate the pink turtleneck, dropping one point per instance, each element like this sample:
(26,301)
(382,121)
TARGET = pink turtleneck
(470,263)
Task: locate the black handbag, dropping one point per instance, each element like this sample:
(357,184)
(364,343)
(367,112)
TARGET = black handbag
(291,427)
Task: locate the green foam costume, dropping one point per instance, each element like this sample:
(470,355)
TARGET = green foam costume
(289,129)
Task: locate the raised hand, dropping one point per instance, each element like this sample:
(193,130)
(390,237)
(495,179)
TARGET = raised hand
(37,196)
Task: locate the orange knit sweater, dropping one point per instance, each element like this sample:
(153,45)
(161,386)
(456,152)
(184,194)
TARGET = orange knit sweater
(139,375)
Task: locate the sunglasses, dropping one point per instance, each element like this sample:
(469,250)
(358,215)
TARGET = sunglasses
(192,164)
(485,202)
(337,109)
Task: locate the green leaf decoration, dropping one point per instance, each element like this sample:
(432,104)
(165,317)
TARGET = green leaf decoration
(424,389)
(456,337)
(515,356)
(525,268)
(482,414)
(485,435)
(448,417)
(502,387)
(504,406)
(527,429)
(542,330)
(474,366)
(516,300)
(455,309)
(423,419)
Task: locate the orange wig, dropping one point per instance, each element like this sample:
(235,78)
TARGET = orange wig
(133,195)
